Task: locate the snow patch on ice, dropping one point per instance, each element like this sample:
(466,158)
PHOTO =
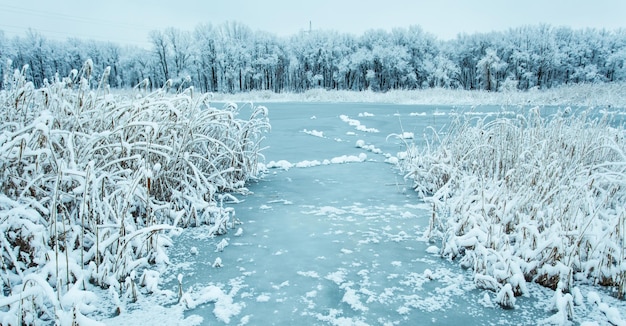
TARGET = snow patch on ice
(392,160)
(151,313)
(407,135)
(311,274)
(449,286)
(224,308)
(329,211)
(263,298)
(283,201)
(352,298)
(282,164)
(244,320)
(286,165)
(334,318)
(407,215)
(307,164)
(357,124)
(612,314)
(338,276)
(348,159)
(314,132)
(281,285)
(361,144)
(219,247)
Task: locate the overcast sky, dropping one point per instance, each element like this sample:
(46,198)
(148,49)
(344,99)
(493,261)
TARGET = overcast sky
(128,21)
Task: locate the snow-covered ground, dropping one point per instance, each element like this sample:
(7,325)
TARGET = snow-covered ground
(333,235)
(596,95)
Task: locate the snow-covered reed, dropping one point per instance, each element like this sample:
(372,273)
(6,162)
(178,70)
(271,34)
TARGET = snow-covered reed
(528,199)
(92,183)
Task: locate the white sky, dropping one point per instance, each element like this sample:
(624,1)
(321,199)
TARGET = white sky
(128,21)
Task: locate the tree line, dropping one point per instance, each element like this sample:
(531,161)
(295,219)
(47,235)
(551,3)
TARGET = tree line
(231,57)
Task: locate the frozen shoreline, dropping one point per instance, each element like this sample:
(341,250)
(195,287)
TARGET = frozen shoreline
(588,95)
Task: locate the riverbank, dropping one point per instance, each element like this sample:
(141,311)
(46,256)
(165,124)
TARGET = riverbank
(609,96)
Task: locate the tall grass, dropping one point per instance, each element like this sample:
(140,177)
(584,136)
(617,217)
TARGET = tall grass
(528,199)
(91,183)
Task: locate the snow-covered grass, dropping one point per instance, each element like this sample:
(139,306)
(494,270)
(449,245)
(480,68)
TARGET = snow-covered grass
(92,184)
(597,95)
(529,199)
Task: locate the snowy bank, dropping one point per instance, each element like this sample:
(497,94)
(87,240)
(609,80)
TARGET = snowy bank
(586,95)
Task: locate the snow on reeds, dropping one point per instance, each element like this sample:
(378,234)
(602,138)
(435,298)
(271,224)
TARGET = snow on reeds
(92,183)
(528,199)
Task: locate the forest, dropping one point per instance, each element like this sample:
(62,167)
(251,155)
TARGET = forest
(231,58)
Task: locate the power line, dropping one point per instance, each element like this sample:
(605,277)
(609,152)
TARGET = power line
(53,33)
(59,36)
(57,15)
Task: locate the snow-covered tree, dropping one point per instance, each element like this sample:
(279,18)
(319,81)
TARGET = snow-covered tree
(444,72)
(489,66)
(231,58)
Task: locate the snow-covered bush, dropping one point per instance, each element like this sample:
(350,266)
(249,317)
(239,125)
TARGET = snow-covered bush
(529,198)
(92,182)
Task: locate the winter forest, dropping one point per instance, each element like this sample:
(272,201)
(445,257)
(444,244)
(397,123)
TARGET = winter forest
(233,58)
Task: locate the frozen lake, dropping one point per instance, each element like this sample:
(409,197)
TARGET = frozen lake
(324,240)
(338,243)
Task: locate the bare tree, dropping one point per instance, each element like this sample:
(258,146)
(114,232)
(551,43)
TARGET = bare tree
(161,49)
(180,42)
